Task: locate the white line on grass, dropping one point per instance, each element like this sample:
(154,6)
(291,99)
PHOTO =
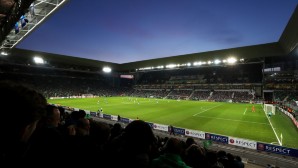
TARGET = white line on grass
(207,110)
(233,120)
(272,127)
(245,111)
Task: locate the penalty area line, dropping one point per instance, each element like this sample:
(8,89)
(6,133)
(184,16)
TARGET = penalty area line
(245,111)
(207,110)
(279,142)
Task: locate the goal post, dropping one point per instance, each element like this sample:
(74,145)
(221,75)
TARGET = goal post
(269,108)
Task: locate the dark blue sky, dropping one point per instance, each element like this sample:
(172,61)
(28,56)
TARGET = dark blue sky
(122,31)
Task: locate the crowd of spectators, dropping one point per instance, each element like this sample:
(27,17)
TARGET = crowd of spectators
(46,135)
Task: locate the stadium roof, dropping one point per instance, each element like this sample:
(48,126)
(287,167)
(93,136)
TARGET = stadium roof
(10,12)
(14,17)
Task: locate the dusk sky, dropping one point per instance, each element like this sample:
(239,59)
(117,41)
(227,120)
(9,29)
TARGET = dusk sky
(122,31)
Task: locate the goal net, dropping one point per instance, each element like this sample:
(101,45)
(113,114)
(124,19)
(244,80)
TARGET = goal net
(269,108)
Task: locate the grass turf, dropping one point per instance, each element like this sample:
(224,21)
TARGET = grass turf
(230,119)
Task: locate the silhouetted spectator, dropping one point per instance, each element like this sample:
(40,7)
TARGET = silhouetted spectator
(195,156)
(47,141)
(239,163)
(189,141)
(23,109)
(133,147)
(173,151)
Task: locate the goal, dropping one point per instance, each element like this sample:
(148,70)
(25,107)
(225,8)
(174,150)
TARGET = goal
(269,108)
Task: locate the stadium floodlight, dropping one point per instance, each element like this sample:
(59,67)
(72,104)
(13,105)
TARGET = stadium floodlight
(106,69)
(4,53)
(171,66)
(188,64)
(217,61)
(146,68)
(231,60)
(197,63)
(38,60)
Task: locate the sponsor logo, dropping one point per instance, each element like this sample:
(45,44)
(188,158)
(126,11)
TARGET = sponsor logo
(195,134)
(125,120)
(106,116)
(232,141)
(277,149)
(179,131)
(207,136)
(261,147)
(245,143)
(219,138)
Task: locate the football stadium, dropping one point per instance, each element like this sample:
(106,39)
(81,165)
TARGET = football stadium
(241,107)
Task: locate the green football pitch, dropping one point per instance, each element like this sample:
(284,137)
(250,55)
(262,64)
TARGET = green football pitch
(230,119)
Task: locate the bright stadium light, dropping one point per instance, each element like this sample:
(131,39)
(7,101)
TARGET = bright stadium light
(106,69)
(196,63)
(38,60)
(217,61)
(4,53)
(231,60)
(171,66)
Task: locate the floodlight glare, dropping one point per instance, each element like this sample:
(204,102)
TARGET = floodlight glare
(4,53)
(231,60)
(106,69)
(217,61)
(171,66)
(38,60)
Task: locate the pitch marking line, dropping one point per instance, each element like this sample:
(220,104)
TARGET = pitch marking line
(207,109)
(272,127)
(234,120)
(245,111)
